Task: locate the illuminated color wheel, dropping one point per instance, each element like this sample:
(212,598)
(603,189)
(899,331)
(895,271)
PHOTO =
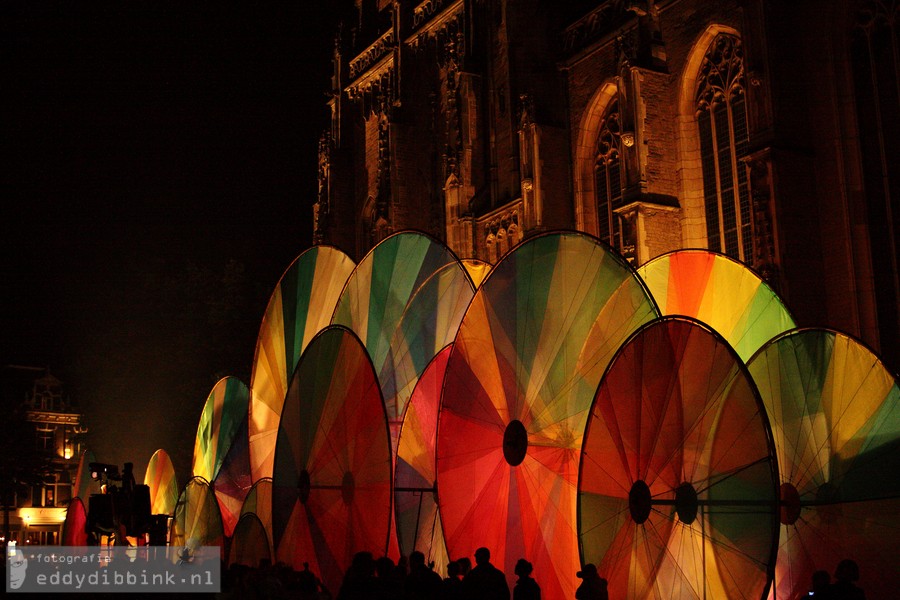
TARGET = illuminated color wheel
(835,413)
(520,379)
(225,409)
(221,453)
(382,285)
(428,324)
(250,543)
(301,306)
(197,519)
(160,478)
(678,483)
(331,493)
(415,496)
(722,293)
(259,503)
(233,480)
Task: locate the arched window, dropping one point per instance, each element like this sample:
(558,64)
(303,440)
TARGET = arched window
(722,123)
(608,178)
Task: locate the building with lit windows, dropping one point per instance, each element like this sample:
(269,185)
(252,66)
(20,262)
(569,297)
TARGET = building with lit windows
(56,429)
(761,129)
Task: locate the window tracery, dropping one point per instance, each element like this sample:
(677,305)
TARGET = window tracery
(722,124)
(608,179)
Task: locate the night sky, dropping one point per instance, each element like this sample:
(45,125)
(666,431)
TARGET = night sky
(158,168)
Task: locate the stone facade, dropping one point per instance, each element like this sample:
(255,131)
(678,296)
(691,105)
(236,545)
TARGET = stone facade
(34,512)
(477,121)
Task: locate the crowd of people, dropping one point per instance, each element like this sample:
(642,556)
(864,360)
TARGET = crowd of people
(369,578)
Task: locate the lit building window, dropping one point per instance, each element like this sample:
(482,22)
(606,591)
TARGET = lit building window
(608,177)
(45,438)
(722,123)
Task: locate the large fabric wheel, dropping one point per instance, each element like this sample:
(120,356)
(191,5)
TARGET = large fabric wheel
(259,502)
(233,481)
(678,483)
(197,521)
(721,292)
(382,285)
(300,307)
(160,478)
(415,495)
(332,478)
(520,379)
(250,543)
(224,410)
(428,324)
(221,452)
(835,413)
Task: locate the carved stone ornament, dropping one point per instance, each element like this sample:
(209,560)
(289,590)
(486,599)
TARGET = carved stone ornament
(436,21)
(603,19)
(372,54)
(384,166)
(321,207)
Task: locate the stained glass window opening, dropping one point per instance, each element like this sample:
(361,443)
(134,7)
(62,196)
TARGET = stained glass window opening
(608,177)
(722,127)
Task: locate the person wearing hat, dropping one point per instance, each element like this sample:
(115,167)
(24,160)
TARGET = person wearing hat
(526,587)
(593,587)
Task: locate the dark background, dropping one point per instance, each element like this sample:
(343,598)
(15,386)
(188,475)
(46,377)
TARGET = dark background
(159,164)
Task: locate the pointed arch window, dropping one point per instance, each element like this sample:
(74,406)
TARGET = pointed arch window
(724,141)
(608,178)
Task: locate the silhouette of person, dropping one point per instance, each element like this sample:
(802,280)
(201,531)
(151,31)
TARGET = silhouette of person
(593,587)
(465,565)
(387,586)
(400,571)
(821,586)
(307,584)
(359,579)
(18,566)
(451,587)
(453,571)
(422,583)
(526,587)
(846,576)
(485,581)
